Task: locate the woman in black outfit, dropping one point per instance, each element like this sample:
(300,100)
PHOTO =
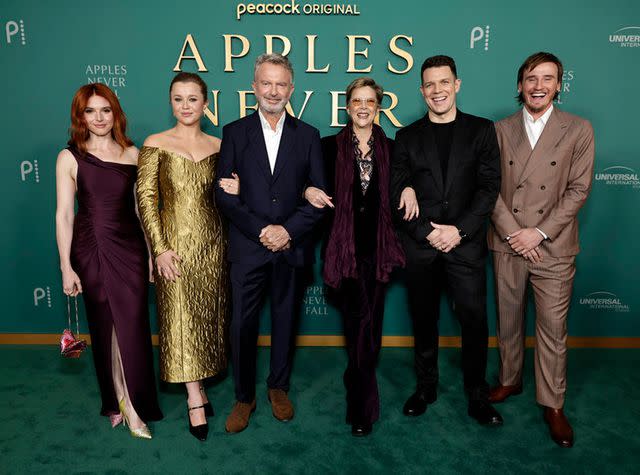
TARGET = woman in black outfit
(362,247)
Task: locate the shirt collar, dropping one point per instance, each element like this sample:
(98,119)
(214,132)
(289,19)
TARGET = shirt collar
(266,125)
(542,119)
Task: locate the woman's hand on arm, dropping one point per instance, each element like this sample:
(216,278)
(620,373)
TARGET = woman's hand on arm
(409,202)
(318,198)
(230,186)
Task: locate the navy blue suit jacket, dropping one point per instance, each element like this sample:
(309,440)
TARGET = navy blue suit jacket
(270,198)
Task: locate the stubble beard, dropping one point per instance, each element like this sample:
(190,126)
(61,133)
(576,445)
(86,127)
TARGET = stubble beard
(274,109)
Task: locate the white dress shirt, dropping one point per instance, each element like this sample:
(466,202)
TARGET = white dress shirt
(534,130)
(271,137)
(535,127)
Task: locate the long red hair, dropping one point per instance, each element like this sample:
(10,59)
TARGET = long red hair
(79,131)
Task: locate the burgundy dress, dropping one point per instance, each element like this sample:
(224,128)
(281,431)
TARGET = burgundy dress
(109,254)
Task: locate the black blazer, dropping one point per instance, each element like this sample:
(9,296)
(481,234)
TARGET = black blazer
(270,198)
(467,198)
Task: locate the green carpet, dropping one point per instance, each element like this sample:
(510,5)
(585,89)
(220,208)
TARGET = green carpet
(50,424)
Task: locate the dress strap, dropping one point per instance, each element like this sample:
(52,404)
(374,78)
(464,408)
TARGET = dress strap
(77,154)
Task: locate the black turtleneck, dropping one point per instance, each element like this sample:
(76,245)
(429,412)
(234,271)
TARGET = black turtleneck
(444,138)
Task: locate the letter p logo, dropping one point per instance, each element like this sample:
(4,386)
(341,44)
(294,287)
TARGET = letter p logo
(477,34)
(40,294)
(27,167)
(12,28)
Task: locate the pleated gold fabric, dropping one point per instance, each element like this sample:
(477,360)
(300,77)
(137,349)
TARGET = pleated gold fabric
(177,209)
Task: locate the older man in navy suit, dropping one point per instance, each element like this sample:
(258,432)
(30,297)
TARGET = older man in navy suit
(276,156)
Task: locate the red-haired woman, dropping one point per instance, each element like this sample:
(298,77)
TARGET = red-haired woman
(103,254)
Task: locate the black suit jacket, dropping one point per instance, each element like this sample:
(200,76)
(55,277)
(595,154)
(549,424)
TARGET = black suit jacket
(270,198)
(467,198)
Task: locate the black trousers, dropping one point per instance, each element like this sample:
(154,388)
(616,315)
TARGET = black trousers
(249,286)
(361,302)
(466,287)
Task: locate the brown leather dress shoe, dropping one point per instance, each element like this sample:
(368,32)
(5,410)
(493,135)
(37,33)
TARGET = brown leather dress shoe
(500,393)
(280,405)
(238,420)
(559,427)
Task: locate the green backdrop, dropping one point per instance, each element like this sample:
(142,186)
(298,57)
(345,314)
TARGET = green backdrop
(48,49)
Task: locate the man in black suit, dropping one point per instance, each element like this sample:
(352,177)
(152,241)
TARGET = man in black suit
(276,156)
(451,161)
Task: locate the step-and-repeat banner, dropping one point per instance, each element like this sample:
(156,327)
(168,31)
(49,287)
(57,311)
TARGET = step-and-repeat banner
(49,49)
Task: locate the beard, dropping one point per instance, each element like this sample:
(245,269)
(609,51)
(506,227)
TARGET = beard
(536,109)
(269,108)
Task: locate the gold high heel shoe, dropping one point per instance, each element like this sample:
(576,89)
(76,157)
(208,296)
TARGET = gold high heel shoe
(140,433)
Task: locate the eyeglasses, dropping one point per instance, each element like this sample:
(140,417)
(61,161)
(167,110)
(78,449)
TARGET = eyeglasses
(360,101)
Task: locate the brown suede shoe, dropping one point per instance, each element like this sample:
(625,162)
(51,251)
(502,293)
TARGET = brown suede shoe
(559,427)
(280,405)
(238,420)
(500,393)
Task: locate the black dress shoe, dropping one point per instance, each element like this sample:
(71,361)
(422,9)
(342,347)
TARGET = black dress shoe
(199,432)
(361,430)
(417,403)
(484,413)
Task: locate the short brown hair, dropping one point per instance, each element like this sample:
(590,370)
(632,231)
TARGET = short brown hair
(365,82)
(79,131)
(190,77)
(437,62)
(535,60)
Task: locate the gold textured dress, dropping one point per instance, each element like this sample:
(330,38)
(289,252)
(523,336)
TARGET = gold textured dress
(192,311)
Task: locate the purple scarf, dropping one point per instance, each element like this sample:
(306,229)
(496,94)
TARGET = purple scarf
(340,255)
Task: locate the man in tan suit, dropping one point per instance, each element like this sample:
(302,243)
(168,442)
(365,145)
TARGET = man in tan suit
(547,165)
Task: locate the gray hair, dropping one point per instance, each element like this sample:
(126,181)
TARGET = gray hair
(273,58)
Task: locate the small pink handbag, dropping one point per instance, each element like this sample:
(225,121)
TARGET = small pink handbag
(70,346)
